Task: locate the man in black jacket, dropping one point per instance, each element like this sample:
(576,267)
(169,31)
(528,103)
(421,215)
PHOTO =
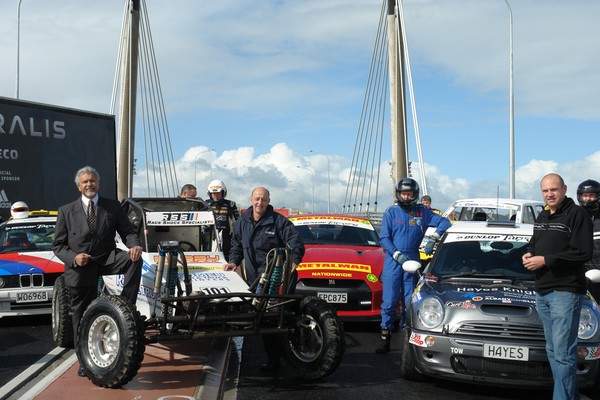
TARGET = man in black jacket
(560,246)
(84,240)
(259,230)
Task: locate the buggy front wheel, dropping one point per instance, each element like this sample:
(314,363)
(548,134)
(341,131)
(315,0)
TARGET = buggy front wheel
(316,344)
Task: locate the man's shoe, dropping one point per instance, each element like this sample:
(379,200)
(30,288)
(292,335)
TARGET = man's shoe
(81,371)
(386,338)
(270,366)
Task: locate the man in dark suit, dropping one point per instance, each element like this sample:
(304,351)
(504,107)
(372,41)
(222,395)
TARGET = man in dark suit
(84,240)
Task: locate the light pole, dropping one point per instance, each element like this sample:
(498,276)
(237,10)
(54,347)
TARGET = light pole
(301,191)
(313,185)
(328,184)
(18,47)
(511,162)
(195,159)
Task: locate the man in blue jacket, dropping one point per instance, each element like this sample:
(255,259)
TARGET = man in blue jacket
(259,230)
(402,230)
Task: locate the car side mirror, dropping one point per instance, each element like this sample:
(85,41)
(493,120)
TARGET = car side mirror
(593,275)
(412,266)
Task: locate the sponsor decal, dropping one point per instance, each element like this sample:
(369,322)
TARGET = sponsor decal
(592,353)
(329,274)
(325,220)
(198,259)
(180,218)
(416,297)
(461,304)
(337,266)
(372,278)
(489,237)
(417,339)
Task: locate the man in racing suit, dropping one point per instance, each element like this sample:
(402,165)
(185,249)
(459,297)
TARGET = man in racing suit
(225,212)
(588,196)
(259,230)
(402,230)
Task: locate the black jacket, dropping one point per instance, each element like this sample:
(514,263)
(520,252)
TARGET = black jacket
(251,241)
(565,240)
(73,236)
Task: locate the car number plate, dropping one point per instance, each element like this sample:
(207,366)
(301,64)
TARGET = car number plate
(30,297)
(332,297)
(518,353)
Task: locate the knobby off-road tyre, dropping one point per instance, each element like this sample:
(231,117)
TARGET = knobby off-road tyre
(408,370)
(111,341)
(62,321)
(316,345)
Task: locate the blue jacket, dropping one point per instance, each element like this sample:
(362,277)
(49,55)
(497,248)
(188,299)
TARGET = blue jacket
(403,229)
(252,241)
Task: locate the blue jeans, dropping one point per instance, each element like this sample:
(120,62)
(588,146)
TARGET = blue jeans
(559,312)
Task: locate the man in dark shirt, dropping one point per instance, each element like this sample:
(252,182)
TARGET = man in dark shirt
(560,246)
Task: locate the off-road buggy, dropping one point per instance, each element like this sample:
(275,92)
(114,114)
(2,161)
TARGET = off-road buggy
(185,294)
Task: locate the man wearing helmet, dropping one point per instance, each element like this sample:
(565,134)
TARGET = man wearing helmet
(588,196)
(225,211)
(402,230)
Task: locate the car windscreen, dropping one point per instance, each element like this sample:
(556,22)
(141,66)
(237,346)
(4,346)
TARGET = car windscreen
(481,258)
(470,213)
(337,235)
(30,236)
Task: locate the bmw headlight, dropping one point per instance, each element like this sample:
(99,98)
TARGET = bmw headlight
(588,323)
(430,312)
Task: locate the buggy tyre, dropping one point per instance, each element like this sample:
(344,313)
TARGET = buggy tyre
(111,341)
(316,344)
(62,321)
(408,370)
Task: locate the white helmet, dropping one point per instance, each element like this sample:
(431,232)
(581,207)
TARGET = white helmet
(216,186)
(19,210)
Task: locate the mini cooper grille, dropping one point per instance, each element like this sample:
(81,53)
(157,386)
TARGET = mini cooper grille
(489,367)
(501,330)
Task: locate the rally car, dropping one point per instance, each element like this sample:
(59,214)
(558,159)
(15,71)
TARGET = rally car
(342,263)
(185,294)
(487,208)
(473,317)
(28,267)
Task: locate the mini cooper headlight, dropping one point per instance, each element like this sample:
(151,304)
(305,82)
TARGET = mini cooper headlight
(430,312)
(588,323)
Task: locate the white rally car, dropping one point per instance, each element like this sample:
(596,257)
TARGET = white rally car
(185,294)
(28,267)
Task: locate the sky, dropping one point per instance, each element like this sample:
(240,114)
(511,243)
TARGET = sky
(270,93)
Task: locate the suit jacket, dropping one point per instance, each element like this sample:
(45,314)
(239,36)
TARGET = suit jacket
(73,236)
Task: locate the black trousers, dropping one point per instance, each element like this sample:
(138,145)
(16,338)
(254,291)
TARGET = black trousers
(82,296)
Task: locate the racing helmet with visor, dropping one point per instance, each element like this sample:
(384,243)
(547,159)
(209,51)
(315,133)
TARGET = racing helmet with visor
(407,185)
(216,186)
(19,210)
(589,186)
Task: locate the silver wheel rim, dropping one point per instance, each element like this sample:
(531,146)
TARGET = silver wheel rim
(310,348)
(103,341)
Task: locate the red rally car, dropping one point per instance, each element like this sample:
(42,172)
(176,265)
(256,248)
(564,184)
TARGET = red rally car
(342,264)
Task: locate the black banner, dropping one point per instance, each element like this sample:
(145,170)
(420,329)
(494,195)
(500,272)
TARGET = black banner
(41,148)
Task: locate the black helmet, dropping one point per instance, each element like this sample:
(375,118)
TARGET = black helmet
(588,186)
(407,185)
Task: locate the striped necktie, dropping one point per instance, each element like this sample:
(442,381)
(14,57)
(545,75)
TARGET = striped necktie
(91,215)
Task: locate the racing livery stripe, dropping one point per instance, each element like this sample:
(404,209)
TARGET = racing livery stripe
(337,266)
